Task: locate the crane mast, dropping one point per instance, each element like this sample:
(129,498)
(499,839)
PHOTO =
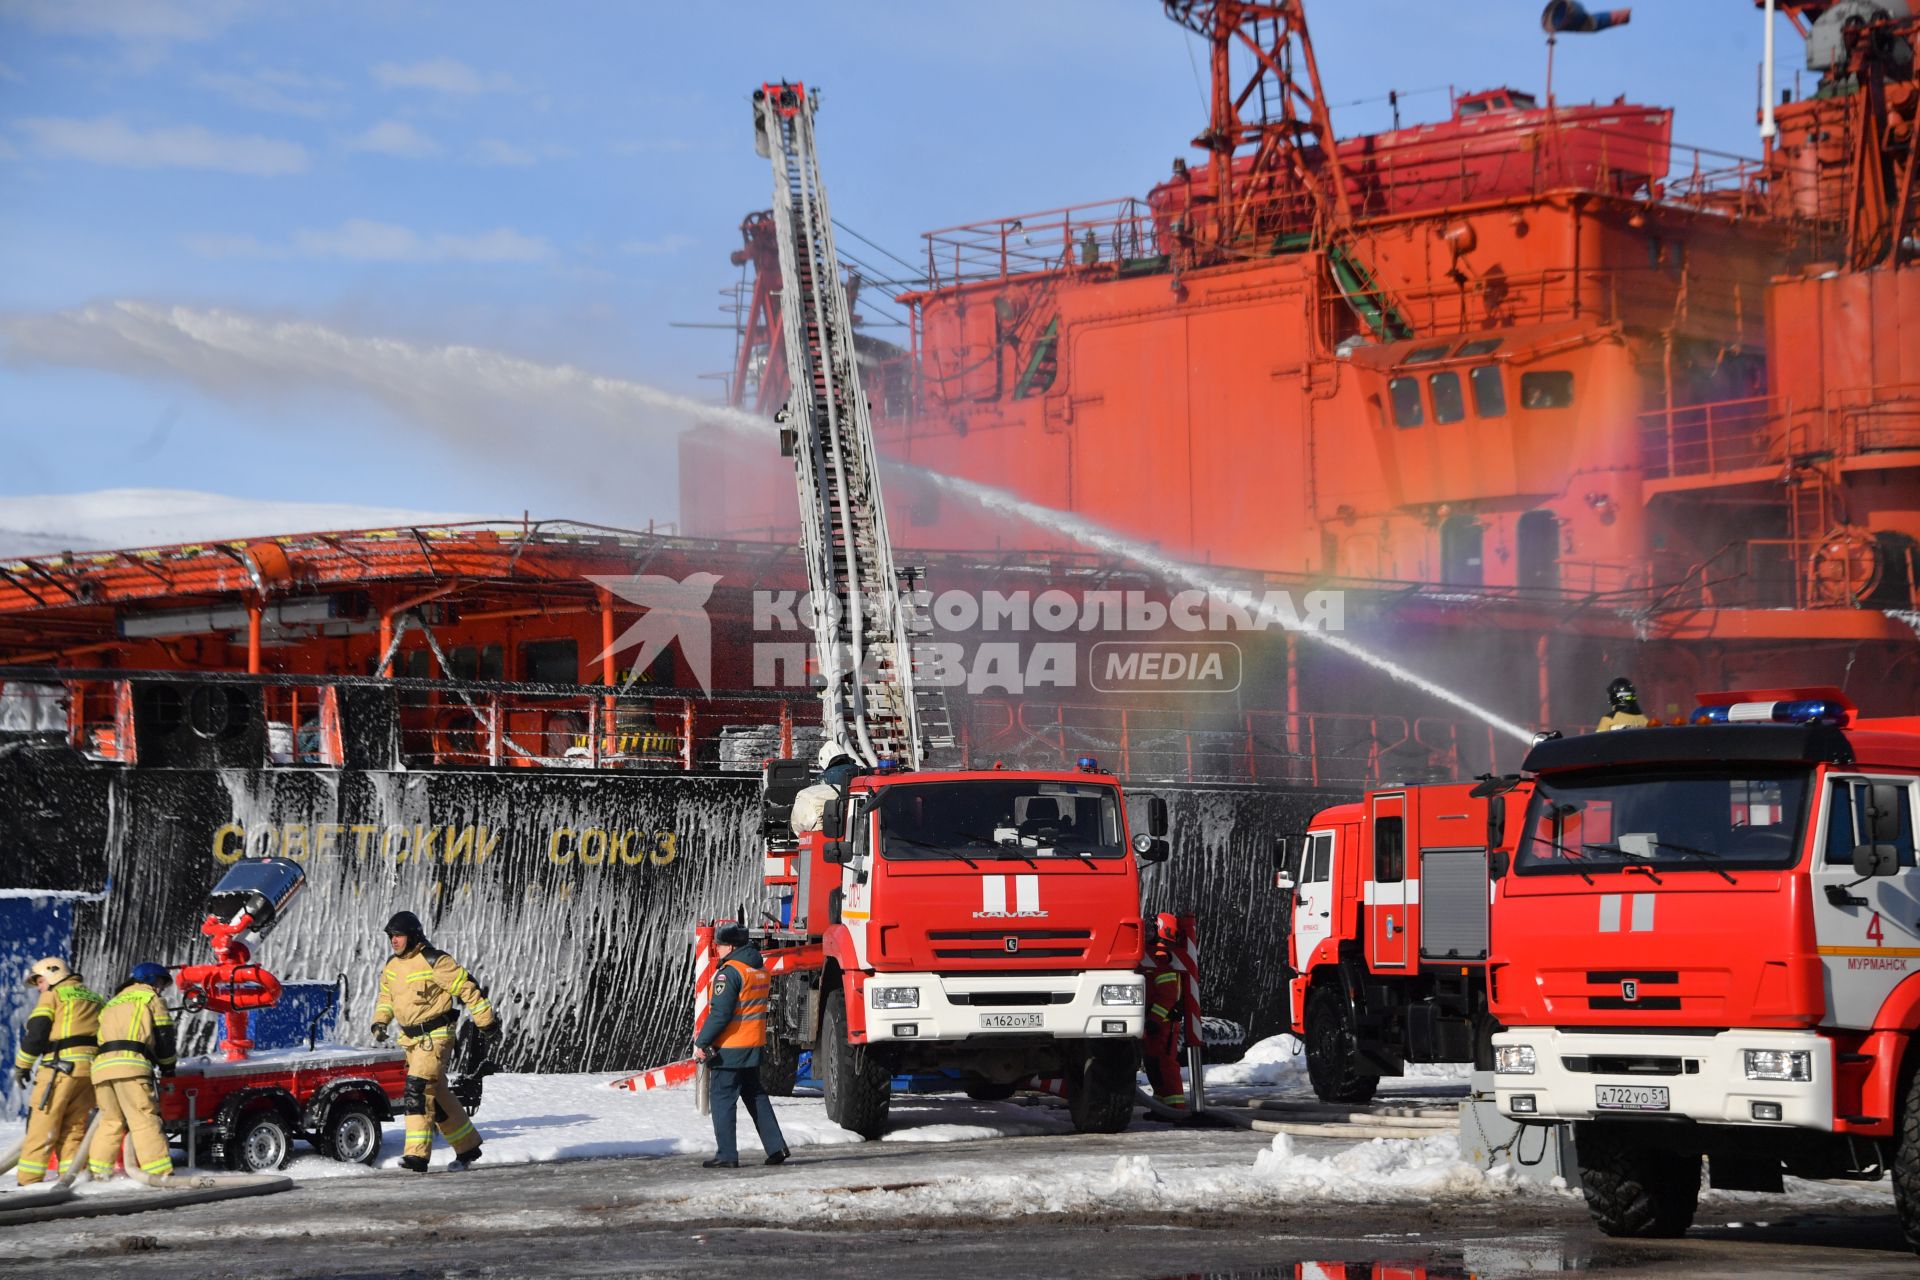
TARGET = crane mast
(862,625)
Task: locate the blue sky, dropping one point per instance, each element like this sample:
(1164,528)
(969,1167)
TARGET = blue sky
(560,187)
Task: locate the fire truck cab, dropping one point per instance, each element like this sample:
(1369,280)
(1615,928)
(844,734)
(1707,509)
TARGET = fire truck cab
(980,921)
(1708,946)
(1388,937)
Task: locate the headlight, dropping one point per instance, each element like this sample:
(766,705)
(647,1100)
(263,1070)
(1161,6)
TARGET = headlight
(1779,1064)
(1513,1059)
(896,997)
(1120,993)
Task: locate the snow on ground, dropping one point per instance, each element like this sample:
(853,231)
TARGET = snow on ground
(46,524)
(528,1119)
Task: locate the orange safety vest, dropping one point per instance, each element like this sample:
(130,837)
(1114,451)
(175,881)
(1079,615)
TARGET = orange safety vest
(748,1029)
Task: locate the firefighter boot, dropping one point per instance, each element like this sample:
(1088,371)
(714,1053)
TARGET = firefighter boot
(464,1160)
(417,1164)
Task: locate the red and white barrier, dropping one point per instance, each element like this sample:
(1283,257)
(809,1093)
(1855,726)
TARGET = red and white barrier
(671,1076)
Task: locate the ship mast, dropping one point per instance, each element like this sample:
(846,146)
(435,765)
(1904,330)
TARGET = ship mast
(1266,95)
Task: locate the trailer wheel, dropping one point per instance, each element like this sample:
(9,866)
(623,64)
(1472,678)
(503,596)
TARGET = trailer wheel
(1633,1189)
(352,1135)
(1100,1089)
(262,1143)
(858,1086)
(1906,1163)
(779,1066)
(1333,1051)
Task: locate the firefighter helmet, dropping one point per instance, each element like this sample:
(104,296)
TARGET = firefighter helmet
(831,751)
(53,969)
(407,923)
(154,975)
(1621,693)
(1166,927)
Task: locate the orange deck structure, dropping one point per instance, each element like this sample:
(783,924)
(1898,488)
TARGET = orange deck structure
(1533,351)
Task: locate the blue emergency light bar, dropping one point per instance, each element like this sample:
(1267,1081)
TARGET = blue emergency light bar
(886,764)
(1795,711)
(1087,764)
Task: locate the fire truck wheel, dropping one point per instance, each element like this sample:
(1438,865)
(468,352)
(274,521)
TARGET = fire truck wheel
(1100,1092)
(262,1143)
(779,1067)
(858,1086)
(1906,1164)
(1333,1051)
(1633,1189)
(352,1135)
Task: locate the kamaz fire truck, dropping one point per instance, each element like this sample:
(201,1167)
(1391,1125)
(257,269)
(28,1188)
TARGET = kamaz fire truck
(986,921)
(1388,900)
(1708,946)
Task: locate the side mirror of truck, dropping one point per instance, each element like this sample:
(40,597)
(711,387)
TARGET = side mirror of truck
(1150,849)
(1871,860)
(1883,812)
(833,817)
(1496,821)
(1156,816)
(838,852)
(1499,862)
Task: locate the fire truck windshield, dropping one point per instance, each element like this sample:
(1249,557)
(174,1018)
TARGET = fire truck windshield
(995,818)
(1711,820)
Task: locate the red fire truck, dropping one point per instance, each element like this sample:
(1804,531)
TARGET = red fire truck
(982,921)
(1708,946)
(1388,901)
(985,921)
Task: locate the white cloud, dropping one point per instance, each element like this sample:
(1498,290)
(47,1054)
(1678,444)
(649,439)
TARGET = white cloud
(112,142)
(664,245)
(363,240)
(285,92)
(134,21)
(394,138)
(441,75)
(496,151)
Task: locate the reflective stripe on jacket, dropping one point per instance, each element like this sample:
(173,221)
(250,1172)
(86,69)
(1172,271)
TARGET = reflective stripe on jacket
(65,1022)
(418,988)
(136,1016)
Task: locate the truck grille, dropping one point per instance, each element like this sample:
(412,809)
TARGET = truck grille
(1006,999)
(999,944)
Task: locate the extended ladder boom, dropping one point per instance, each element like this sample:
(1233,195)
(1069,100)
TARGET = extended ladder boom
(860,623)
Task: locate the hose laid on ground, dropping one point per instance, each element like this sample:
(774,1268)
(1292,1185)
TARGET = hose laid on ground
(12,1156)
(16,1204)
(170,1193)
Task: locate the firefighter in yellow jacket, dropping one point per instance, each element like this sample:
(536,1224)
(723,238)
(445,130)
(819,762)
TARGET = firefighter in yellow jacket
(136,1039)
(61,1035)
(1166,1013)
(417,989)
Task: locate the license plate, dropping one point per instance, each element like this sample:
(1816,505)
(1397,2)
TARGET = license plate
(1630,1097)
(1009,1021)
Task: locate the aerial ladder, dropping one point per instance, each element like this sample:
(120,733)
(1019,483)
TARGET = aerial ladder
(864,626)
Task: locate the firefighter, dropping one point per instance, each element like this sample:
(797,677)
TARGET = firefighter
(1623,707)
(837,769)
(1166,1013)
(136,1039)
(61,1035)
(418,987)
(729,1043)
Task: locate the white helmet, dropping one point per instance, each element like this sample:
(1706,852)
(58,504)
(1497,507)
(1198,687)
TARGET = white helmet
(53,969)
(829,752)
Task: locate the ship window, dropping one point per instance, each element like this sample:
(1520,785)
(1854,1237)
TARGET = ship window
(1449,404)
(1474,108)
(1489,392)
(1524,101)
(1847,821)
(1425,355)
(1479,346)
(493,663)
(1389,851)
(550,662)
(1546,389)
(1405,393)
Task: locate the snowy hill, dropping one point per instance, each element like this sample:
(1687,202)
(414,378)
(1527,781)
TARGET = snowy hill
(47,524)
